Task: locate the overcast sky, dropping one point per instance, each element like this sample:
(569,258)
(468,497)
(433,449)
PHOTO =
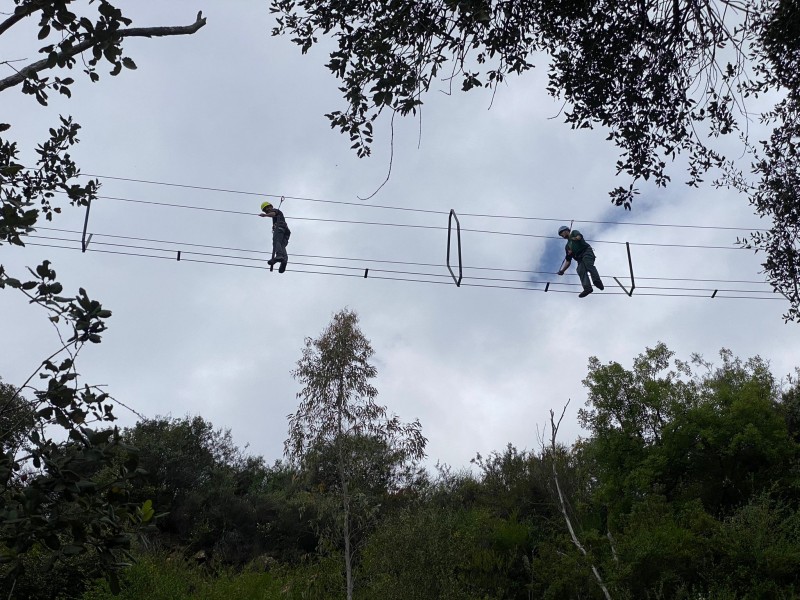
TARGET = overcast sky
(233,108)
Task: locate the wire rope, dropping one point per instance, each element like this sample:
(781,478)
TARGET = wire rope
(407,279)
(415,226)
(339,258)
(412,209)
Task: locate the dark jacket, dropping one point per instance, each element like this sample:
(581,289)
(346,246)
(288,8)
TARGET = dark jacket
(576,247)
(278,220)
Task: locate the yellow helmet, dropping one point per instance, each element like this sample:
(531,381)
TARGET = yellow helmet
(265,205)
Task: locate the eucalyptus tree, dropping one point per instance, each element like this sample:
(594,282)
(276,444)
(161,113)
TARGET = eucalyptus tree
(338,412)
(661,77)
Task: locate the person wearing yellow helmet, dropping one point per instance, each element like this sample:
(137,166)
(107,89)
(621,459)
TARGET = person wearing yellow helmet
(280,235)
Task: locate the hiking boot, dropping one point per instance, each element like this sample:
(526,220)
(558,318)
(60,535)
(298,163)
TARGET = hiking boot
(272,261)
(585,293)
(600,286)
(282,268)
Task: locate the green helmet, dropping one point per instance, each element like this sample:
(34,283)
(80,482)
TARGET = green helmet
(265,205)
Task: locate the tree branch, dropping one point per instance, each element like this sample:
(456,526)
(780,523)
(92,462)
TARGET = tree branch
(19,15)
(553,433)
(46,63)
(165,31)
(613,547)
(391,159)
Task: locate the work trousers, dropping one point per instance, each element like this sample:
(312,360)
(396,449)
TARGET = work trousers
(280,239)
(586,269)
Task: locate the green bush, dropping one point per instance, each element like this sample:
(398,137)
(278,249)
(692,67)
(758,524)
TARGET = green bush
(161,578)
(430,553)
(44,579)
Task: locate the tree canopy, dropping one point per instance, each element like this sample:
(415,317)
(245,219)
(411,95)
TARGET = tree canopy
(685,485)
(662,77)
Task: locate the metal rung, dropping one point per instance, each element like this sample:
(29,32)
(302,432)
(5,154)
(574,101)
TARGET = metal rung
(630,266)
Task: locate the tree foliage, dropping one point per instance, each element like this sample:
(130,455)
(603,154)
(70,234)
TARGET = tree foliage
(338,411)
(662,77)
(56,445)
(682,455)
(100,36)
(686,485)
(62,492)
(213,498)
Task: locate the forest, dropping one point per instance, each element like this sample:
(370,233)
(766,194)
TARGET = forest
(685,481)
(685,485)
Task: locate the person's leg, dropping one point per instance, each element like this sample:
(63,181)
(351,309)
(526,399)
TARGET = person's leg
(587,285)
(279,245)
(280,250)
(275,244)
(588,263)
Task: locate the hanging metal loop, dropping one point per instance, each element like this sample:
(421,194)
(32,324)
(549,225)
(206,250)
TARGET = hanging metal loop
(458,240)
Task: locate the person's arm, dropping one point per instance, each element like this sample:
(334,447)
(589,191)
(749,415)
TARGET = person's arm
(268,214)
(566,265)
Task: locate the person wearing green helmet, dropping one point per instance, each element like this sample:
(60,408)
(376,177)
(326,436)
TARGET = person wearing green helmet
(582,252)
(280,235)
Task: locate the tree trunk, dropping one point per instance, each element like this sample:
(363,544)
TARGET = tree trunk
(348,567)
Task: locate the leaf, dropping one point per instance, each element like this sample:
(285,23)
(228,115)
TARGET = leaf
(43,269)
(147,511)
(62,419)
(128,63)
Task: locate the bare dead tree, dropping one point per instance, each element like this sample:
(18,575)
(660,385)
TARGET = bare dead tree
(613,547)
(553,435)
